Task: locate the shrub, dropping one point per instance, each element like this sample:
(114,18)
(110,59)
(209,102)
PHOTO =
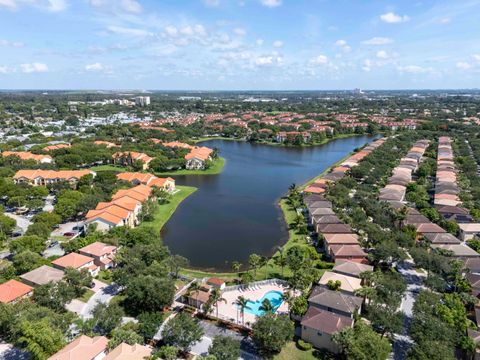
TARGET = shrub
(303,345)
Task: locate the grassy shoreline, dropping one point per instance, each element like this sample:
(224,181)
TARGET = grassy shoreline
(215,169)
(165,211)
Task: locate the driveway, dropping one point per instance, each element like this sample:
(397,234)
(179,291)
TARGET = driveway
(104,295)
(53,251)
(10,352)
(48,207)
(247,348)
(22,222)
(67,227)
(75,306)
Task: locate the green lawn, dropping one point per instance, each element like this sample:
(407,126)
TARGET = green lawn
(165,211)
(87,295)
(290,352)
(210,138)
(215,169)
(198,274)
(108,168)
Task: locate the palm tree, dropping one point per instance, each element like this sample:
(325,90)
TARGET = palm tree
(267,306)
(194,288)
(401,216)
(264,263)
(236,266)
(366,292)
(280,260)
(288,298)
(216,297)
(254,261)
(242,303)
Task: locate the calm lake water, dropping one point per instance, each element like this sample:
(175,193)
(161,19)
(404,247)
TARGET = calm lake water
(235,213)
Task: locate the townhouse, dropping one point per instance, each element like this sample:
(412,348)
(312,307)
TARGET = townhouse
(102,254)
(25,155)
(136,178)
(56,147)
(128,158)
(78,262)
(49,177)
(13,290)
(197,158)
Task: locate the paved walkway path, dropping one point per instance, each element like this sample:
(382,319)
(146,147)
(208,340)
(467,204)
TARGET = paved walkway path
(414,279)
(103,295)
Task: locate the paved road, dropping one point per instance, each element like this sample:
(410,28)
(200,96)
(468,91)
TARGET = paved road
(104,295)
(414,279)
(53,251)
(22,222)
(10,352)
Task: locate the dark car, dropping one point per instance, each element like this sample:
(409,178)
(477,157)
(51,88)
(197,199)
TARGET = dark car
(69,234)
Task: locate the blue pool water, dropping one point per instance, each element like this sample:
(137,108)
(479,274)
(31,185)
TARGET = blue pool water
(275,298)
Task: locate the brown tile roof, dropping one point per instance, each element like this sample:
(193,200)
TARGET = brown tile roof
(325,321)
(98,249)
(129,352)
(347,250)
(350,268)
(43,275)
(334,228)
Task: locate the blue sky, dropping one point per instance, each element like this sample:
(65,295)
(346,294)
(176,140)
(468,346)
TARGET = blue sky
(239,44)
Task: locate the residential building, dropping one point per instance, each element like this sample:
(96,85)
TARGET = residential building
(125,351)
(351,268)
(25,155)
(318,326)
(102,254)
(469,231)
(136,178)
(348,284)
(76,261)
(128,158)
(83,348)
(13,290)
(348,252)
(107,144)
(142,101)
(197,158)
(335,301)
(48,177)
(56,147)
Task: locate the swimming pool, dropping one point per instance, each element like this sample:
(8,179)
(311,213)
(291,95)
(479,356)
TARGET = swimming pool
(275,298)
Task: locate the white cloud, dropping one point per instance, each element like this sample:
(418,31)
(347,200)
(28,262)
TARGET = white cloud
(278,44)
(445,21)
(34,68)
(10,43)
(378,41)
(240,31)
(6,70)
(9,4)
(343,45)
(268,60)
(319,60)
(414,69)
(131,6)
(476,57)
(392,18)
(463,65)
(382,54)
(56,5)
(271,3)
(128,31)
(212,3)
(367,65)
(259,42)
(94,67)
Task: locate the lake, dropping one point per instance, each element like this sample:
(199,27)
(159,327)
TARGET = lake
(236,213)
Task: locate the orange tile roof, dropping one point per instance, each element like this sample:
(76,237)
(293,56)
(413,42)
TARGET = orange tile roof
(134,155)
(113,209)
(129,352)
(12,290)
(25,155)
(104,215)
(82,348)
(108,144)
(202,153)
(72,260)
(51,174)
(178,144)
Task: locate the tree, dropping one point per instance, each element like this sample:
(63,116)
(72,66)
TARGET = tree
(124,335)
(271,332)
(149,293)
(27,261)
(242,304)
(236,266)
(182,332)
(107,317)
(267,306)
(40,339)
(54,295)
(362,343)
(78,280)
(39,229)
(299,306)
(177,262)
(216,297)
(334,285)
(6,225)
(225,348)
(280,259)
(168,352)
(31,243)
(149,324)
(254,261)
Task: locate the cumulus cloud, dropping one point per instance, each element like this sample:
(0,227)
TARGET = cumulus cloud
(277,43)
(94,67)
(319,60)
(34,68)
(131,6)
(128,6)
(462,65)
(392,18)
(240,31)
(271,3)
(343,45)
(10,43)
(367,65)
(6,70)
(378,41)
(50,5)
(414,69)
(476,57)
(382,54)
(128,31)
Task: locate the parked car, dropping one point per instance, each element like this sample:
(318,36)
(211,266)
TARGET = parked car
(53,243)
(69,234)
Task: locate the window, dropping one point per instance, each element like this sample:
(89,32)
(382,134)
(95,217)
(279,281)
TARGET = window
(319,333)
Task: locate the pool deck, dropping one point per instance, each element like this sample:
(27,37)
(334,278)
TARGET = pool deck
(229,311)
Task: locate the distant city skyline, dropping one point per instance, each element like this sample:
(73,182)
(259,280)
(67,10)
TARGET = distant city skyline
(239,44)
